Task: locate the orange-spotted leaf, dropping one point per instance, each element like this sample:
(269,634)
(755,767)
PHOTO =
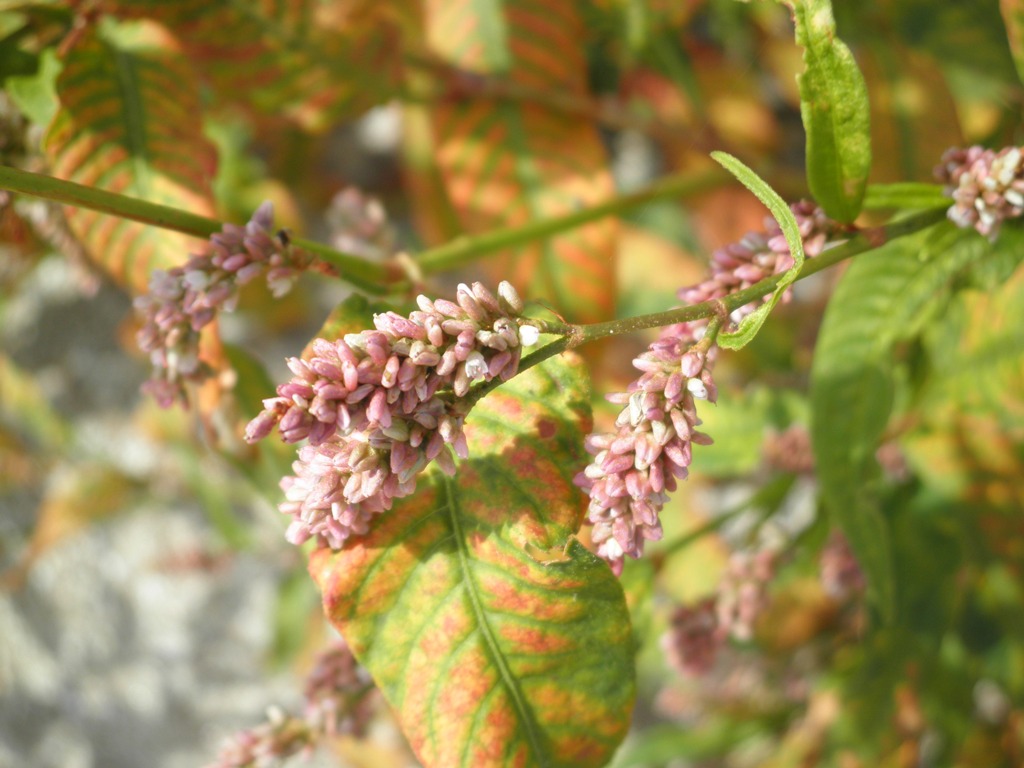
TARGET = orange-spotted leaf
(496,637)
(129,122)
(516,158)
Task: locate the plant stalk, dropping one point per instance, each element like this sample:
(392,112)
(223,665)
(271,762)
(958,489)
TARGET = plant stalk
(463,250)
(571,336)
(368,275)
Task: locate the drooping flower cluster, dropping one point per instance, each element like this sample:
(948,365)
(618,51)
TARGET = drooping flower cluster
(337,701)
(378,406)
(637,466)
(697,632)
(183,300)
(987,186)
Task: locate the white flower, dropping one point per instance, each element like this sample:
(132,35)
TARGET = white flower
(697,389)
(528,335)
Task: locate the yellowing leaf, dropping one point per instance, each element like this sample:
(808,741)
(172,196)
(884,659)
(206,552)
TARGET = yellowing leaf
(495,636)
(507,161)
(129,123)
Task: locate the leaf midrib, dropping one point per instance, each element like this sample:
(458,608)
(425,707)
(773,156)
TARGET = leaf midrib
(523,710)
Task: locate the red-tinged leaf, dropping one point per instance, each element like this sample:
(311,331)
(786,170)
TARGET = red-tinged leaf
(313,62)
(129,123)
(507,161)
(495,636)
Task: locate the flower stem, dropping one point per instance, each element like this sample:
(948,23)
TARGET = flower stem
(867,239)
(373,277)
(367,275)
(463,250)
(70,193)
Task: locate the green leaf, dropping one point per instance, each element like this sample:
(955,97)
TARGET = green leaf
(885,297)
(36,95)
(495,636)
(752,323)
(907,195)
(128,123)
(836,116)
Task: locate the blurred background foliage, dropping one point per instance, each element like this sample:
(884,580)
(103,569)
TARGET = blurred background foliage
(216,106)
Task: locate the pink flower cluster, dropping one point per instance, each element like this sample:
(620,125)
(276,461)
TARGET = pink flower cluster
(697,632)
(337,702)
(759,255)
(378,406)
(987,186)
(183,300)
(637,466)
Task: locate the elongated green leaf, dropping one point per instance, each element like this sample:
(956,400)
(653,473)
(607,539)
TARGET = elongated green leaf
(495,636)
(834,107)
(752,323)
(507,161)
(128,123)
(851,398)
(886,296)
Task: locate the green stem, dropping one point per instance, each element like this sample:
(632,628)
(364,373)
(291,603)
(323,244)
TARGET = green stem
(571,336)
(370,276)
(70,193)
(463,250)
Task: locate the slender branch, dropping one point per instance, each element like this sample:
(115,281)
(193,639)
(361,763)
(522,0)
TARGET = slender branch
(70,193)
(372,277)
(865,240)
(571,336)
(368,275)
(379,278)
(462,250)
